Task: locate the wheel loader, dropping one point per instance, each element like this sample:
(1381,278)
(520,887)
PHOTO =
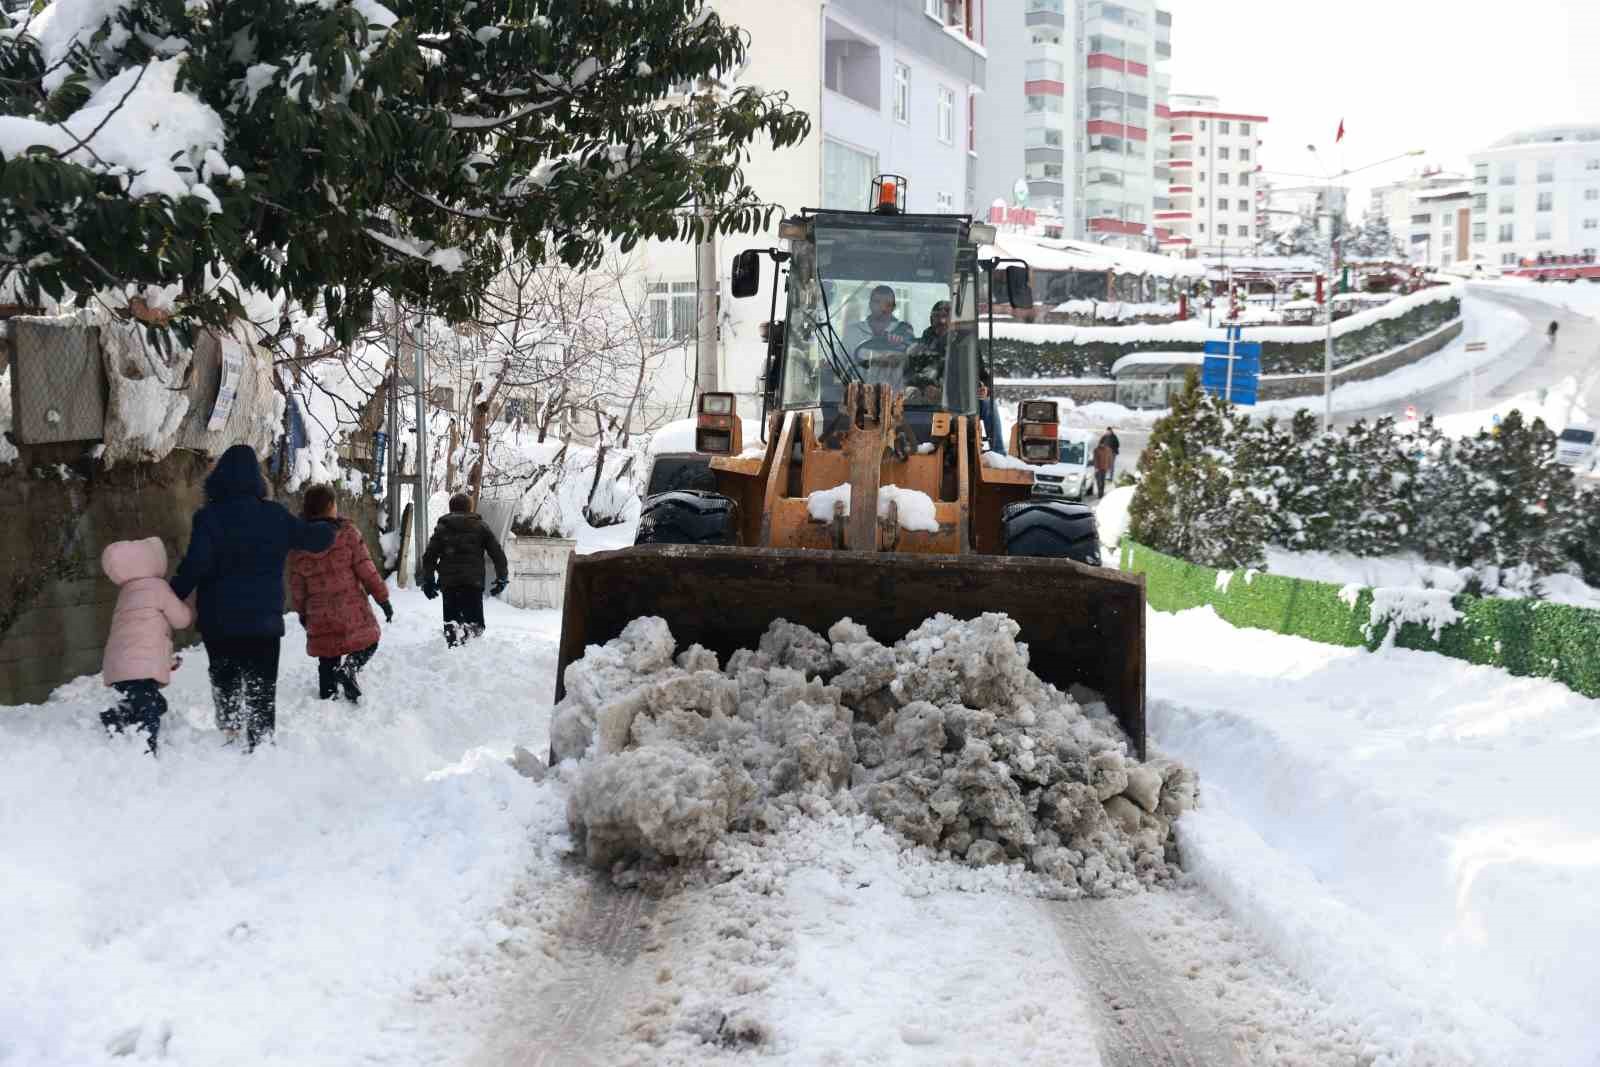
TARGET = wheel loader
(873,493)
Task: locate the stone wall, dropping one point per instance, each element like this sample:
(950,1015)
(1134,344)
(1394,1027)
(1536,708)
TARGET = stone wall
(61,511)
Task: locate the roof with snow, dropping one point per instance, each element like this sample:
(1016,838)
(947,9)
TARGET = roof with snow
(1548,135)
(1448,192)
(1291,264)
(1157,361)
(1056,254)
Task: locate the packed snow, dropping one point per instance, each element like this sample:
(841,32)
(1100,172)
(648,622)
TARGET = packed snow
(1410,571)
(912,508)
(947,738)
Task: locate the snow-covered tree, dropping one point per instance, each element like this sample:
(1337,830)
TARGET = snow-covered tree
(188,153)
(1191,501)
(1303,239)
(1373,239)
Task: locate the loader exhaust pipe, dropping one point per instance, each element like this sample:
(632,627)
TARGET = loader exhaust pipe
(1083,625)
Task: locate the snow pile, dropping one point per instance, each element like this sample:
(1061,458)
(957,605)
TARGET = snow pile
(946,737)
(1428,607)
(912,508)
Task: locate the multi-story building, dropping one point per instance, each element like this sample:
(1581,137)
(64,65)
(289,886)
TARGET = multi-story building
(1091,102)
(1537,192)
(1215,202)
(1397,201)
(900,85)
(1441,229)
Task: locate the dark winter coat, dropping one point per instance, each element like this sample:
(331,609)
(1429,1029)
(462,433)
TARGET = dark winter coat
(329,589)
(1109,439)
(238,544)
(455,552)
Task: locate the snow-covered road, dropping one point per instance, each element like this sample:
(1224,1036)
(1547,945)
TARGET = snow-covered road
(1395,863)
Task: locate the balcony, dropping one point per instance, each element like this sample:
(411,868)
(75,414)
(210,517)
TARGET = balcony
(1180,190)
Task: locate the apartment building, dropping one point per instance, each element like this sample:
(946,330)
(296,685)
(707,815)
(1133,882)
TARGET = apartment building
(1397,202)
(1215,202)
(1092,98)
(1537,192)
(1441,229)
(901,81)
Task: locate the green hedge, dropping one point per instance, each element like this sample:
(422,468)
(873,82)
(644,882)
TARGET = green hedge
(1014,358)
(1530,638)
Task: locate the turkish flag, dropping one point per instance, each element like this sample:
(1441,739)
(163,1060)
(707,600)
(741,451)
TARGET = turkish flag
(1340,135)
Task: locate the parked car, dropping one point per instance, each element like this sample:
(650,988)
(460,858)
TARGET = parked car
(1071,477)
(1575,447)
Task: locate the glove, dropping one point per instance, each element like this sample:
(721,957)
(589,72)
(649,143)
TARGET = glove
(430,590)
(388,610)
(498,587)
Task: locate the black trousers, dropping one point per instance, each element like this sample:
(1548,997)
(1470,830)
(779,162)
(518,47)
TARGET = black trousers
(244,684)
(1100,484)
(463,613)
(339,672)
(140,708)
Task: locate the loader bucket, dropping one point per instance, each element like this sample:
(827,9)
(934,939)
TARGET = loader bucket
(1081,624)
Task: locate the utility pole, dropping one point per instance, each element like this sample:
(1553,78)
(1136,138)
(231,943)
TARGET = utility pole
(707,294)
(392,458)
(419,497)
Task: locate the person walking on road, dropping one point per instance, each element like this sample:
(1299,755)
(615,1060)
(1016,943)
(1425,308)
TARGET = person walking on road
(453,565)
(329,591)
(138,659)
(1109,439)
(1103,460)
(1551,331)
(238,544)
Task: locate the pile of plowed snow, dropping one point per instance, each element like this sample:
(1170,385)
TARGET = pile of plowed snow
(947,738)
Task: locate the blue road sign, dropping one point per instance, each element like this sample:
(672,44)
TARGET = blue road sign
(1246,360)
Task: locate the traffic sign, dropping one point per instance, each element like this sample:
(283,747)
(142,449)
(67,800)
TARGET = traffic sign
(1245,358)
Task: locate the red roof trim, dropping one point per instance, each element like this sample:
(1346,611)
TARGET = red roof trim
(1117,226)
(1138,68)
(1044,87)
(1218,115)
(1103,61)
(1163,111)
(1112,129)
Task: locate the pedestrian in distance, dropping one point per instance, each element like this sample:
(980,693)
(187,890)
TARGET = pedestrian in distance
(238,545)
(138,658)
(329,591)
(1551,331)
(1103,460)
(1109,438)
(453,565)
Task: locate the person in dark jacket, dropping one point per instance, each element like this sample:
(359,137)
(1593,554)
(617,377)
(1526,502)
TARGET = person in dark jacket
(1109,439)
(329,591)
(234,565)
(926,368)
(453,565)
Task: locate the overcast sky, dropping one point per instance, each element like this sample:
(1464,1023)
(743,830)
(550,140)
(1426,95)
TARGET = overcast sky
(1403,74)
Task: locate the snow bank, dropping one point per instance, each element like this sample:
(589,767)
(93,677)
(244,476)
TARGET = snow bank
(1396,607)
(947,738)
(210,908)
(1111,515)
(1412,834)
(913,508)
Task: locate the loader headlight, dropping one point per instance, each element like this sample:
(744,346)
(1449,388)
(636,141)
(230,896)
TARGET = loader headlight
(1039,411)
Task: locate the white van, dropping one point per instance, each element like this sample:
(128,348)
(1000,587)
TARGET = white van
(1575,447)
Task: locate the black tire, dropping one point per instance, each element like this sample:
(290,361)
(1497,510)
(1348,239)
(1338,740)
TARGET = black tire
(686,517)
(1052,529)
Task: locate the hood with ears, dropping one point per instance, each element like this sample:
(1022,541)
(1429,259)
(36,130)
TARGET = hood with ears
(123,561)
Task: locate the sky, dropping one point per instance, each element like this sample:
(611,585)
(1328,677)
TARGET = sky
(1440,75)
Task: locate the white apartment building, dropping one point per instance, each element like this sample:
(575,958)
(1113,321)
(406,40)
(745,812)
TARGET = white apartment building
(1092,102)
(1215,199)
(1442,228)
(1537,191)
(901,80)
(1397,203)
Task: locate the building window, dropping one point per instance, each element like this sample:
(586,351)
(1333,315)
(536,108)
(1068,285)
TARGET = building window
(672,310)
(1202,177)
(1508,173)
(1202,125)
(1508,205)
(1244,155)
(1480,232)
(1591,164)
(1202,201)
(1037,103)
(1508,259)
(1222,178)
(1222,127)
(1480,203)
(1244,205)
(1244,177)
(1420,220)
(1547,171)
(1222,153)
(846,176)
(1244,129)
(947,115)
(946,201)
(1591,194)
(1480,174)
(1202,227)
(1447,240)
(935,9)
(1546,201)
(1542,232)
(1222,229)
(1508,232)
(902,94)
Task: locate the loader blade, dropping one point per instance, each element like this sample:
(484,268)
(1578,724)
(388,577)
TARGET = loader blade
(1081,624)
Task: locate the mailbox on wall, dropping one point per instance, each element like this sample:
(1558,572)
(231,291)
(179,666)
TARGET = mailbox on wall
(58,381)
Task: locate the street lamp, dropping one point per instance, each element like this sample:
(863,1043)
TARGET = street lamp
(1333,266)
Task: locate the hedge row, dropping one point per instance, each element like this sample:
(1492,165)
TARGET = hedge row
(1529,638)
(1014,358)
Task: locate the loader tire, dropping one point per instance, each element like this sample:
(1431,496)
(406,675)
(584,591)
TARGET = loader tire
(1052,529)
(687,517)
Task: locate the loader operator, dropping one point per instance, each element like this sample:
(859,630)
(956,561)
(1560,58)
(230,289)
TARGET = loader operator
(878,342)
(925,369)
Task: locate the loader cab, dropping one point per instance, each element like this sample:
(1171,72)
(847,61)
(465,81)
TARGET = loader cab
(881,299)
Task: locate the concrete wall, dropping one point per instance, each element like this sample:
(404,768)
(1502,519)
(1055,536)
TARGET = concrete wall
(55,604)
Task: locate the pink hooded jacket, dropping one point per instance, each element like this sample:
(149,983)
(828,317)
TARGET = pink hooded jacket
(140,643)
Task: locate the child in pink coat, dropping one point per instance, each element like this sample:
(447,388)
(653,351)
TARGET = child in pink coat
(138,659)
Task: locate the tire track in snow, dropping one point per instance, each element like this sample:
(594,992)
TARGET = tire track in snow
(1146,1019)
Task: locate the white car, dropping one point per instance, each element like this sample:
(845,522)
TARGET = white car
(1575,447)
(1071,477)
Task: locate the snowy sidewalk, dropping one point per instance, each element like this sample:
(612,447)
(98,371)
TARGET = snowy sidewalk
(280,908)
(1415,835)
